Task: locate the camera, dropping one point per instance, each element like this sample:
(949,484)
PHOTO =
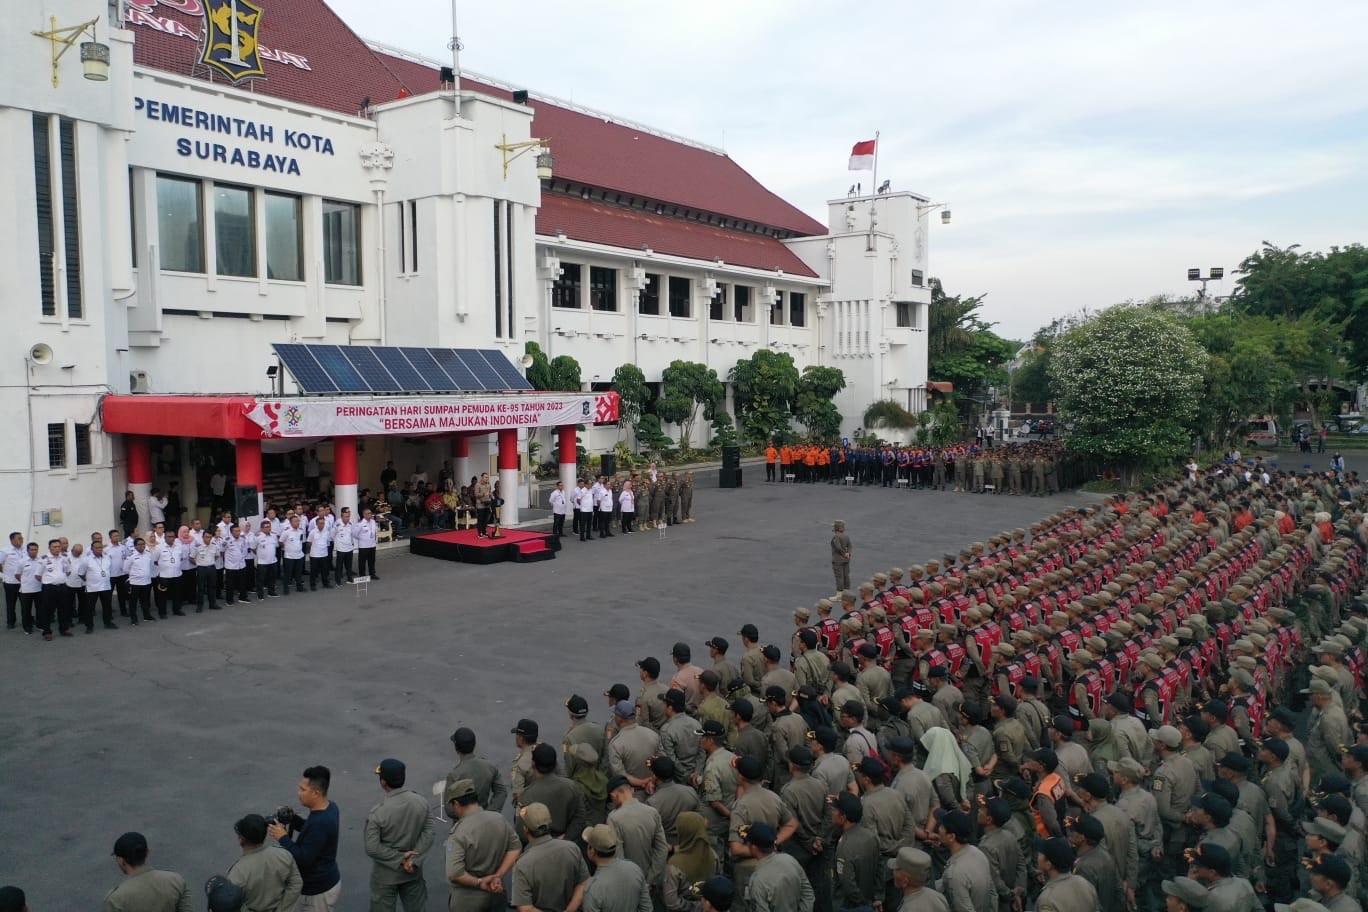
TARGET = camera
(286,817)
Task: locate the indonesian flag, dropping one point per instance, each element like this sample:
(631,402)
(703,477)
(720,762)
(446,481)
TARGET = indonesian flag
(862,156)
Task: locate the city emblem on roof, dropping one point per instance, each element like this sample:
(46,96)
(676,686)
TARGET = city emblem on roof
(231,30)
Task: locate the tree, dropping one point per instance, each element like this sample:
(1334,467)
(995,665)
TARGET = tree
(1129,380)
(888,414)
(633,393)
(559,373)
(650,435)
(686,386)
(765,390)
(1031,381)
(961,347)
(817,387)
(945,423)
(724,429)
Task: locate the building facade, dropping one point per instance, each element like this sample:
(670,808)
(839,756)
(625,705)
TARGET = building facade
(169,224)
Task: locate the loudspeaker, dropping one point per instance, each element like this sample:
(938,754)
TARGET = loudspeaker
(729,478)
(608,464)
(731,458)
(245,501)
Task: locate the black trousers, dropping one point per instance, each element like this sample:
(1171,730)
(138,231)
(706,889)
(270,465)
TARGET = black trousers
(605,521)
(575,522)
(558,525)
(206,587)
(11,601)
(769,471)
(28,603)
(343,565)
(318,570)
(366,562)
(294,574)
(628,520)
(106,602)
(121,587)
(482,518)
(55,602)
(586,525)
(236,585)
(140,600)
(164,590)
(266,578)
(78,597)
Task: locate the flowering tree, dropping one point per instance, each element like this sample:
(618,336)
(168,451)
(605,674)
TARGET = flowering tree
(1129,380)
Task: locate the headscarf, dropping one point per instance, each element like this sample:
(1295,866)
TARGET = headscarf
(943,756)
(183,533)
(694,857)
(1102,741)
(590,778)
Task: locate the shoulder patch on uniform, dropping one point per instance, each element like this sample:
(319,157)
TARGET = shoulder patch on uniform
(840,866)
(1158,785)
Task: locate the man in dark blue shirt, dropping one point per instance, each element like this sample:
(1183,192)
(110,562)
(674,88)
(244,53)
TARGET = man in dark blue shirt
(314,847)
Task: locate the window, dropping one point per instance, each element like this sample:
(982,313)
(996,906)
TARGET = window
(649,301)
(408,236)
(776,315)
(42,187)
(717,306)
(132,221)
(83,444)
(741,302)
(498,269)
(797,308)
(284,248)
(180,224)
(566,291)
(413,235)
(907,314)
(917,278)
(57,446)
(509,277)
(234,231)
(341,243)
(603,288)
(680,292)
(43,178)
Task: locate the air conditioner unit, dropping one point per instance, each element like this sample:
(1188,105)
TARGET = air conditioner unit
(139,382)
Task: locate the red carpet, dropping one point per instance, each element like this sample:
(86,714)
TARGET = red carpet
(466,546)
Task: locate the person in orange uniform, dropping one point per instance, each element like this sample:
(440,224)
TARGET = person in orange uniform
(785,461)
(771,457)
(809,463)
(823,464)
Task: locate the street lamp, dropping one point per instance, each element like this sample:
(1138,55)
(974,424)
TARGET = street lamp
(512,151)
(94,54)
(931,207)
(1214,274)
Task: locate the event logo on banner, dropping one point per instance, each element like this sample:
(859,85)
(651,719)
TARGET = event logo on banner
(230,38)
(413,415)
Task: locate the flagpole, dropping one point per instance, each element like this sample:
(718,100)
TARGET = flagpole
(873,193)
(874,186)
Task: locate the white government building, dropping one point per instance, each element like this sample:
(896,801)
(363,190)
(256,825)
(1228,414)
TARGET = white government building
(169,223)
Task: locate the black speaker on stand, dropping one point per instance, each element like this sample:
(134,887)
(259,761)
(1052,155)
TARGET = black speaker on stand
(729,476)
(608,464)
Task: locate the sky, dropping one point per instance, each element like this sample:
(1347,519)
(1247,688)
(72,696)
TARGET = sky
(1091,153)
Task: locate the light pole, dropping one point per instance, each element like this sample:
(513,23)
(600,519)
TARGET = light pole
(1214,274)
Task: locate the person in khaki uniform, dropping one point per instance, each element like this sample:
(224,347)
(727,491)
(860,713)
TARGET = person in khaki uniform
(144,888)
(550,873)
(581,731)
(480,851)
(1064,891)
(525,735)
(859,875)
(267,874)
(752,661)
(811,667)
(398,835)
(1009,736)
(489,785)
(911,869)
(754,804)
(725,670)
(840,555)
(631,747)
(806,799)
(640,833)
(711,705)
(1173,786)
(650,710)
(1003,850)
(1329,734)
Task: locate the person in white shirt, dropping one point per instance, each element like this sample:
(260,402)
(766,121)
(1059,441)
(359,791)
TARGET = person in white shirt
(168,553)
(344,545)
(156,507)
(203,555)
(292,551)
(99,582)
(584,511)
(558,509)
(319,566)
(118,550)
(141,567)
(30,586)
(267,562)
(218,483)
(55,597)
(76,594)
(365,535)
(604,504)
(233,552)
(10,566)
(248,536)
(627,503)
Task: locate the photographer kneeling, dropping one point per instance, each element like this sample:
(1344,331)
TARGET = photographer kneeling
(313,842)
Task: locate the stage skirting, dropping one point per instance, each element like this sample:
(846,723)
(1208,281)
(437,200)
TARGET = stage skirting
(466,546)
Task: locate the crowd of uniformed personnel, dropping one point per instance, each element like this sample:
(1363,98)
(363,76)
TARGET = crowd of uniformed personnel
(1036,468)
(1150,703)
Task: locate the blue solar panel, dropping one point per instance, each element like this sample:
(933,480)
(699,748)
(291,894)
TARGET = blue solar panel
(400,369)
(455,368)
(370,368)
(382,369)
(339,369)
(487,376)
(302,365)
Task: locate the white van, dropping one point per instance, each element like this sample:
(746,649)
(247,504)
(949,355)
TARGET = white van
(1261,432)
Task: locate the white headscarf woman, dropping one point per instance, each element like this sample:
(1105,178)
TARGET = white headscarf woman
(945,759)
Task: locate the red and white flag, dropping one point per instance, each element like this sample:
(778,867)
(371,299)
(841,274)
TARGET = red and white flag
(862,156)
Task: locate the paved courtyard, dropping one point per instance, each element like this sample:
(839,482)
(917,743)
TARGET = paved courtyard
(180,727)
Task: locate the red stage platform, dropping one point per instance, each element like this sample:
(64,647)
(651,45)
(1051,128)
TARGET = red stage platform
(466,546)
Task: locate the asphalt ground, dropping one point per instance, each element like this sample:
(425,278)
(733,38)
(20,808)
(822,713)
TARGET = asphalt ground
(178,728)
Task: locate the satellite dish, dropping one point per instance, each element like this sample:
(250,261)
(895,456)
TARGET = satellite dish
(40,353)
(525,361)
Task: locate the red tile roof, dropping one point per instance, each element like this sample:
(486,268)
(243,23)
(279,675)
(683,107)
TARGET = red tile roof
(616,226)
(588,149)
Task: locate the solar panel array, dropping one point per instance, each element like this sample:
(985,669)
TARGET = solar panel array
(320,369)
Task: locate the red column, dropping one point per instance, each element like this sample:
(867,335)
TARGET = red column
(568,451)
(139,451)
(344,461)
(460,447)
(508,449)
(249,463)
